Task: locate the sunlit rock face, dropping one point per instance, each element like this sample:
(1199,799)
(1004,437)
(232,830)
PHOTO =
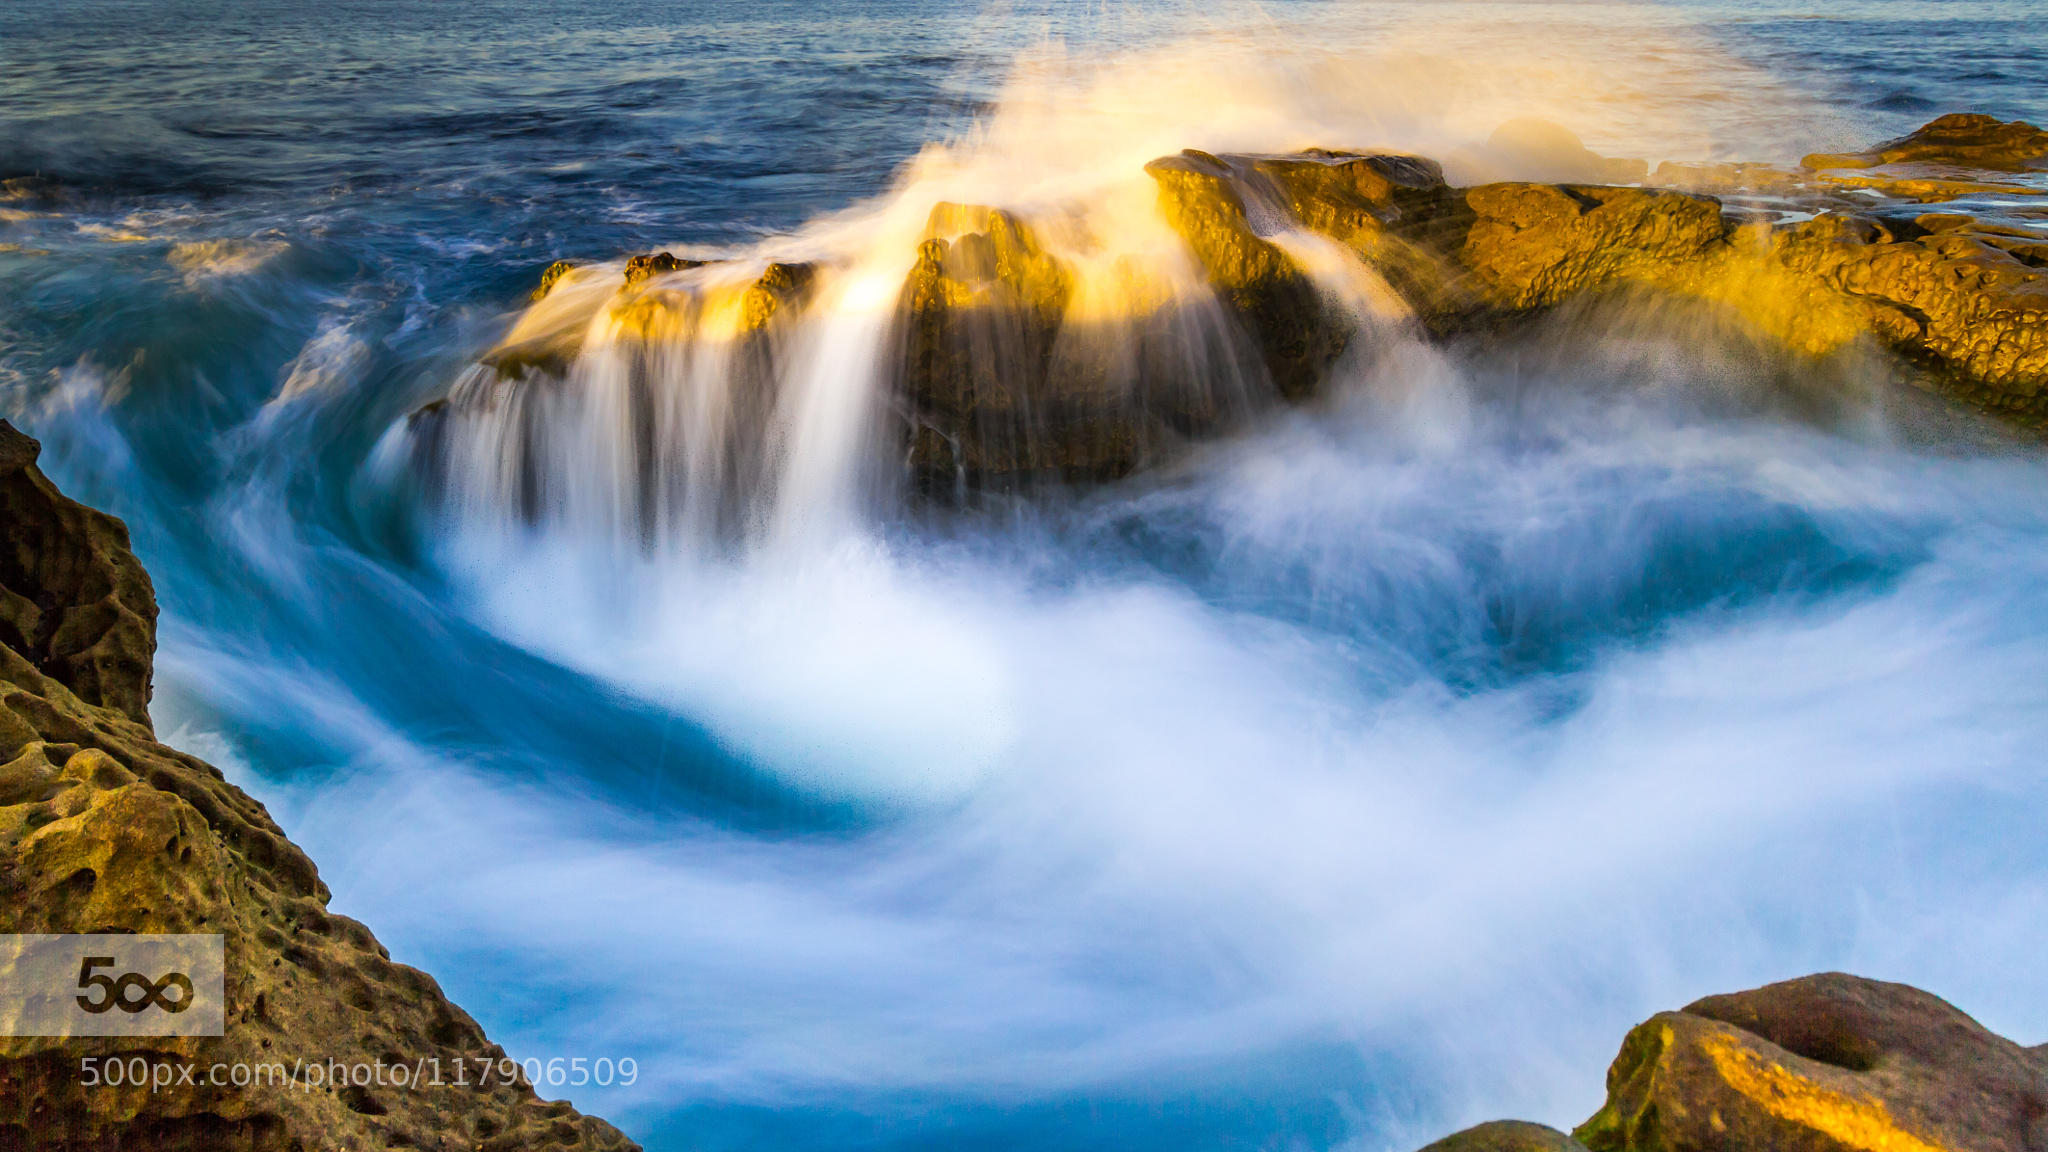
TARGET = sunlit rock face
(1963,139)
(1298,335)
(105,830)
(990,348)
(1829,1062)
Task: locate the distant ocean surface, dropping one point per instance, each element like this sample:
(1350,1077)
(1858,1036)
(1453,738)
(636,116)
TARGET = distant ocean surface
(969,838)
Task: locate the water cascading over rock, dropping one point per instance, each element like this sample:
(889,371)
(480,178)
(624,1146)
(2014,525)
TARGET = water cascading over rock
(682,399)
(992,348)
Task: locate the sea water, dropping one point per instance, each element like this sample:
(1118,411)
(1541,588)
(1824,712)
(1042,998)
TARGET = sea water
(1360,775)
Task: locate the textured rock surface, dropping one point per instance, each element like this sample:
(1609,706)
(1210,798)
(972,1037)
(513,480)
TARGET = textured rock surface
(1962,139)
(1298,335)
(103,829)
(1962,289)
(1507,1136)
(1827,1063)
(1534,245)
(979,319)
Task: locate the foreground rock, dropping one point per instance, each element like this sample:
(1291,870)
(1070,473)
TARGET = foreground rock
(103,829)
(1826,1063)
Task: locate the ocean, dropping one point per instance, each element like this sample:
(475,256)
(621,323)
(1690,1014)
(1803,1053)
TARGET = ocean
(1355,777)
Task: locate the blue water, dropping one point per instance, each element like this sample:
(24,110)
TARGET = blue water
(1365,777)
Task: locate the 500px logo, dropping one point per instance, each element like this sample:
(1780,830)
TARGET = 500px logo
(111,985)
(117,991)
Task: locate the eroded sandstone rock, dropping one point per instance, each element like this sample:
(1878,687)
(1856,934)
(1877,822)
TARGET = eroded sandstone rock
(1827,1063)
(1961,139)
(1506,1136)
(1297,333)
(979,319)
(103,829)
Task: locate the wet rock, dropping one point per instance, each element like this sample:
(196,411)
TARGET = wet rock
(73,600)
(1393,210)
(1931,183)
(1827,1063)
(1962,139)
(549,276)
(1506,1136)
(979,318)
(548,355)
(1298,335)
(1353,196)
(782,290)
(103,829)
(1534,245)
(653,264)
(1690,176)
(1970,299)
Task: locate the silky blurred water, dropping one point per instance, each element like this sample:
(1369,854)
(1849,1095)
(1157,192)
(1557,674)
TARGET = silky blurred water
(1364,776)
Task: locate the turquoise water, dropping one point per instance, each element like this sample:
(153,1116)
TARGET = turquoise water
(1364,776)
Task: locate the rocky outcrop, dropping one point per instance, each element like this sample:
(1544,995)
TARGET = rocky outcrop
(1825,1063)
(979,320)
(1962,290)
(1828,1063)
(655,264)
(1012,360)
(1962,139)
(1297,333)
(104,829)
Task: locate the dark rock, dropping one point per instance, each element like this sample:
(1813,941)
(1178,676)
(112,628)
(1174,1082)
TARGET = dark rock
(1506,1136)
(1962,139)
(73,600)
(103,829)
(1297,334)
(1827,1063)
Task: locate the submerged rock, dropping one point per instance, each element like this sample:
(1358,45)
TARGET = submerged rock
(103,829)
(1827,1063)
